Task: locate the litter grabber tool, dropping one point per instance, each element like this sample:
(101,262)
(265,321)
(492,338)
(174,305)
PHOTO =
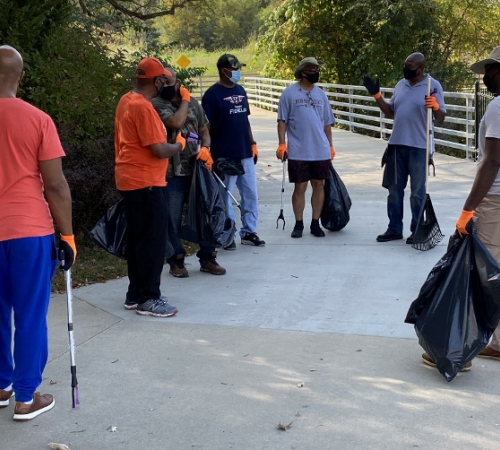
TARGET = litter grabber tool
(427,234)
(236,202)
(69,300)
(281,216)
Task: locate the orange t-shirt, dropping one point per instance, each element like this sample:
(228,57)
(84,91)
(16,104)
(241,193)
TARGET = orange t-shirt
(137,127)
(27,135)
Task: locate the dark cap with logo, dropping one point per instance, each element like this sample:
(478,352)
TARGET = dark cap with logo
(228,60)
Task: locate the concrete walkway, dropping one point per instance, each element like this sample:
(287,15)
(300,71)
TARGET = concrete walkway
(308,332)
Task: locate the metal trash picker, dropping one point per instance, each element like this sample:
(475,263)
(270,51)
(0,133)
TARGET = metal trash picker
(427,234)
(69,301)
(281,216)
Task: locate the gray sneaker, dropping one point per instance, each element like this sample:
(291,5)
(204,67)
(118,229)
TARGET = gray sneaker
(156,308)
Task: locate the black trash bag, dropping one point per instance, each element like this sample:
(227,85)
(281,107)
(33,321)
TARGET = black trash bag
(228,166)
(335,213)
(458,307)
(206,221)
(110,232)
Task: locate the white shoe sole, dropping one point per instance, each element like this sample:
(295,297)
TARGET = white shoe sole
(251,243)
(5,403)
(24,417)
(149,313)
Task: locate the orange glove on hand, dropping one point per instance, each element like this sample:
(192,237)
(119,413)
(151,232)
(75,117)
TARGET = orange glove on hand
(205,156)
(67,251)
(185,94)
(282,152)
(255,153)
(430,102)
(332,152)
(181,140)
(463,220)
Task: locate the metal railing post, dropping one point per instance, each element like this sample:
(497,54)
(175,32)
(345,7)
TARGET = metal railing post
(469,115)
(351,109)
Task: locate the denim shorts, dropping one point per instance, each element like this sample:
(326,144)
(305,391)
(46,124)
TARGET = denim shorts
(303,171)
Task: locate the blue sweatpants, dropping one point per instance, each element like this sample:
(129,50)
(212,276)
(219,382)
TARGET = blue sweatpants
(27,266)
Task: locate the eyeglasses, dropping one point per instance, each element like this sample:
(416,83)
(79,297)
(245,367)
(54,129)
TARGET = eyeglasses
(311,101)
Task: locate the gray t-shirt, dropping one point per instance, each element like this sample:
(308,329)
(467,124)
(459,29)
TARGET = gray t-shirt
(490,128)
(410,113)
(306,114)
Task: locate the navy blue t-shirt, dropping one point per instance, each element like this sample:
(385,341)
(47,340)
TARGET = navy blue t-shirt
(227,111)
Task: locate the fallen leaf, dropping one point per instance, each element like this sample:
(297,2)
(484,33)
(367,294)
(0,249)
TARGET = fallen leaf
(280,426)
(300,384)
(112,429)
(58,446)
(53,381)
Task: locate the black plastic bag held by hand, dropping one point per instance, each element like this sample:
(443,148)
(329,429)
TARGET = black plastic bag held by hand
(335,213)
(458,307)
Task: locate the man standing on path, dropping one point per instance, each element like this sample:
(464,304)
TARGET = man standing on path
(30,165)
(141,158)
(483,202)
(227,109)
(407,144)
(305,116)
(182,114)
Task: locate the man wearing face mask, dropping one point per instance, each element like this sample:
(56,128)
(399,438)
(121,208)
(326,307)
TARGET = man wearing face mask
(141,158)
(483,202)
(227,109)
(305,116)
(407,144)
(182,113)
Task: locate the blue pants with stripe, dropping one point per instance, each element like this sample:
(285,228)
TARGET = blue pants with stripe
(27,266)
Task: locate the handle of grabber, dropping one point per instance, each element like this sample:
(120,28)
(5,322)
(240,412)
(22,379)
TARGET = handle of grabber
(236,202)
(428,137)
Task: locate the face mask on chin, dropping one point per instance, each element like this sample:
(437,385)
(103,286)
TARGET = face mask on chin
(168,92)
(408,73)
(312,77)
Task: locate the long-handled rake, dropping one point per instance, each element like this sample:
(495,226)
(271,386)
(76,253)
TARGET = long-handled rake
(427,234)
(281,216)
(69,299)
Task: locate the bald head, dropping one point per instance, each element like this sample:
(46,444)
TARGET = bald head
(11,70)
(416,59)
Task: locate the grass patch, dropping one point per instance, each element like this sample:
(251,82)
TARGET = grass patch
(95,265)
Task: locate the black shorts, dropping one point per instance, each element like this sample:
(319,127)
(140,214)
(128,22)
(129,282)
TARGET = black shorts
(303,171)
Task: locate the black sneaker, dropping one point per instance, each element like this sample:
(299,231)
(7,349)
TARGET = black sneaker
(130,304)
(252,239)
(389,236)
(231,247)
(317,231)
(297,232)
(409,239)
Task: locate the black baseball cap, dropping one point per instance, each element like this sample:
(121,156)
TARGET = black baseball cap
(228,60)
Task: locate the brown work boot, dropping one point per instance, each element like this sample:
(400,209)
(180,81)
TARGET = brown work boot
(426,359)
(5,397)
(41,403)
(177,268)
(211,265)
(489,353)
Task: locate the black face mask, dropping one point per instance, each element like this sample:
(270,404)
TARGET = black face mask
(489,83)
(168,92)
(408,73)
(312,77)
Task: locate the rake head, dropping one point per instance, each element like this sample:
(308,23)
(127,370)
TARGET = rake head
(428,234)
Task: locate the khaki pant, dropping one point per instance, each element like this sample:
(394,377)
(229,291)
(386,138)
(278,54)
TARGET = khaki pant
(487,221)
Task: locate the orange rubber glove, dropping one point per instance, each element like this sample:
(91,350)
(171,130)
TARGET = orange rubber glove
(463,220)
(185,94)
(255,153)
(282,152)
(181,140)
(431,102)
(68,249)
(205,156)
(332,152)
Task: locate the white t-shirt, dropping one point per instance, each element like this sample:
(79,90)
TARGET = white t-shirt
(490,128)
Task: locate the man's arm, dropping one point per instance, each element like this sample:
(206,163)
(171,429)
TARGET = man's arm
(281,131)
(177,121)
(385,107)
(205,136)
(485,175)
(164,150)
(57,194)
(328,132)
(250,133)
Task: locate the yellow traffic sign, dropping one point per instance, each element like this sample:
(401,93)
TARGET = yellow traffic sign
(183,61)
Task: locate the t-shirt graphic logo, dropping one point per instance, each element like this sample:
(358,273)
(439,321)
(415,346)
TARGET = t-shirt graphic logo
(236,99)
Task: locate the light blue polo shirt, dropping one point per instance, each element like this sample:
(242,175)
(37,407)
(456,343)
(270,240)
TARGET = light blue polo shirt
(306,115)
(410,113)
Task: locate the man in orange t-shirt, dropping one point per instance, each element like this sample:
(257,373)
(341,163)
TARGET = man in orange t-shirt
(141,158)
(30,165)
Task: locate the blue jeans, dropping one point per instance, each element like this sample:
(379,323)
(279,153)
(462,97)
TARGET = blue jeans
(27,266)
(247,186)
(406,161)
(177,194)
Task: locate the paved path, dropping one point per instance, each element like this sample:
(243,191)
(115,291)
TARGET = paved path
(326,313)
